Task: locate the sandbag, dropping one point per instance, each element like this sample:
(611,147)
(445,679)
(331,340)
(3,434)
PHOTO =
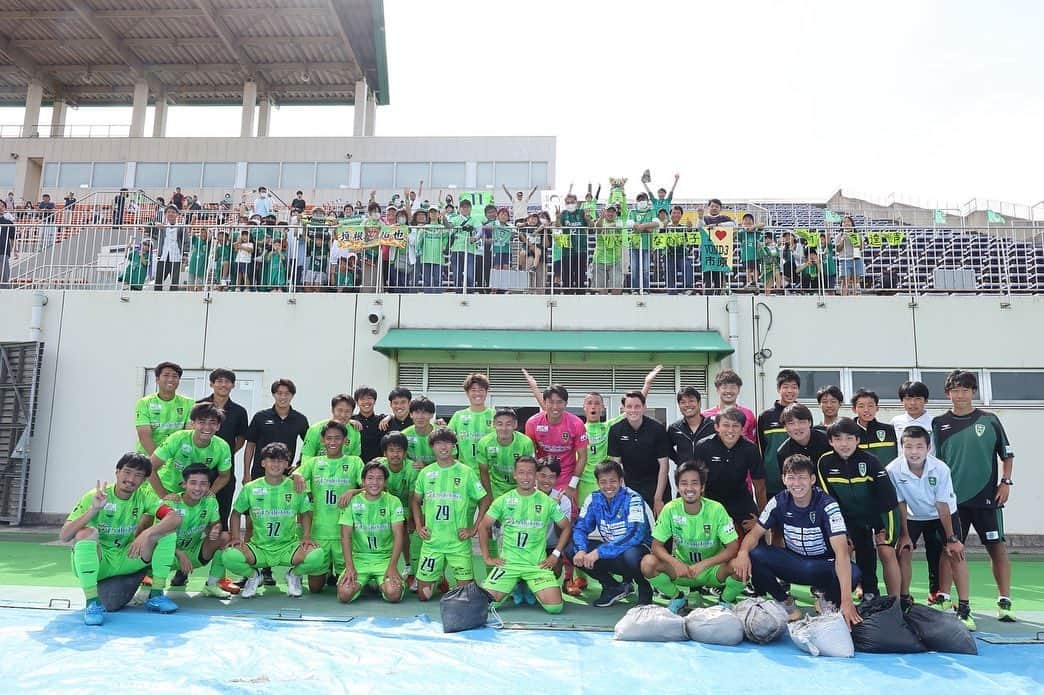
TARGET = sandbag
(823,635)
(940,631)
(116,592)
(714,625)
(883,630)
(464,608)
(763,619)
(650,624)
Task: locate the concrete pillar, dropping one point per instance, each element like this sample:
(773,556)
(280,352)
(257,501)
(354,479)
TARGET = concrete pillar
(141,102)
(159,118)
(359,127)
(33,99)
(246,128)
(264,115)
(371,113)
(58,118)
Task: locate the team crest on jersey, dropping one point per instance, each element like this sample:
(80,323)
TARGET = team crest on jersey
(134,512)
(538,507)
(210,460)
(980,429)
(383,511)
(931,480)
(862,468)
(489,423)
(180,411)
(881,435)
(288,498)
(706,529)
(812,517)
(565,436)
(456,482)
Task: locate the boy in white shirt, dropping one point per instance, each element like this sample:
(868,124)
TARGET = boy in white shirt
(914,396)
(928,507)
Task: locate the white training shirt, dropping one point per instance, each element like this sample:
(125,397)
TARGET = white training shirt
(922,493)
(902,421)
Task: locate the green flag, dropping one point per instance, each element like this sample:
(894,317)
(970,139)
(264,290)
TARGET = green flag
(940,217)
(994,218)
(831,216)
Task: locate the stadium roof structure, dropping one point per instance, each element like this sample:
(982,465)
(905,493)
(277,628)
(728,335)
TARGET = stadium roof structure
(195,52)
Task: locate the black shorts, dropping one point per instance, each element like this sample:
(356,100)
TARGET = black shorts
(988,523)
(933,529)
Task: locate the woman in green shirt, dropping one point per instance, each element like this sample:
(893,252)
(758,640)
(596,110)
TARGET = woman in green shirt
(197,261)
(275,267)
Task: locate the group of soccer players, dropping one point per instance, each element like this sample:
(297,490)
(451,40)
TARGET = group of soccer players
(552,504)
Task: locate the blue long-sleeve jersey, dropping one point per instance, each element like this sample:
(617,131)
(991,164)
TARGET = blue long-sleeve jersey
(623,522)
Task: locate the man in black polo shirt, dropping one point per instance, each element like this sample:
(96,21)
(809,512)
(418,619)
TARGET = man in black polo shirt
(280,423)
(730,459)
(691,428)
(369,422)
(641,444)
(233,430)
(802,438)
(399,419)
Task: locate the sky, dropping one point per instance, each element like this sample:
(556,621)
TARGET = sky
(932,102)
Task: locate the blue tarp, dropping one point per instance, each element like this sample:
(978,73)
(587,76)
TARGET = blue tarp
(52,651)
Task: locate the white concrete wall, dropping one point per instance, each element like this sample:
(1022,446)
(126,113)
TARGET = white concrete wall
(97,350)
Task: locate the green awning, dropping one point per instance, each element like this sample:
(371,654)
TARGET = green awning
(448,345)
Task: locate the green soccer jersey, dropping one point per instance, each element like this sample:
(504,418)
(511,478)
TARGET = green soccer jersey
(313,441)
(470,426)
(696,536)
(197,262)
(118,519)
(502,234)
(608,241)
(446,497)
(195,520)
(970,445)
(273,509)
(327,479)
(418,449)
(400,483)
(597,447)
(433,242)
(164,417)
(371,523)
(179,451)
(524,521)
(500,459)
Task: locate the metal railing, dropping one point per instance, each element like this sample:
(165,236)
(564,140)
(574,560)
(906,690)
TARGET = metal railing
(208,250)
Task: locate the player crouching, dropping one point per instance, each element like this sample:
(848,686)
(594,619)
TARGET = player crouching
(525,514)
(200,538)
(705,542)
(373,535)
(103,524)
(279,516)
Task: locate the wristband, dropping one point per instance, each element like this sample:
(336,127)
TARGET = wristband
(573,481)
(556,552)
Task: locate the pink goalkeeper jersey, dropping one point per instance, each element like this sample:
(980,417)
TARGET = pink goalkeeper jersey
(562,440)
(750,429)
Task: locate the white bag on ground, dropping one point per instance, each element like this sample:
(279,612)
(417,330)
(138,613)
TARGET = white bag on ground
(823,635)
(764,620)
(714,625)
(650,624)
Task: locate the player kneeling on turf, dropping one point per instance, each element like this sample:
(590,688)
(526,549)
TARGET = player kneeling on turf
(705,542)
(330,479)
(373,535)
(200,538)
(442,498)
(524,515)
(103,524)
(277,513)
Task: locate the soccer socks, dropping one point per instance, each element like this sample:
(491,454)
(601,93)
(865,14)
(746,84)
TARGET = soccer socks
(552,608)
(314,563)
(217,567)
(236,563)
(733,589)
(162,560)
(85,562)
(663,583)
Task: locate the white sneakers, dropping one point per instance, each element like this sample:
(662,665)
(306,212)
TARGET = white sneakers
(293,585)
(250,588)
